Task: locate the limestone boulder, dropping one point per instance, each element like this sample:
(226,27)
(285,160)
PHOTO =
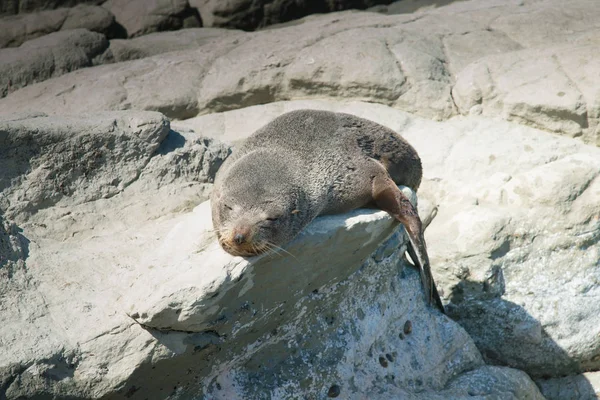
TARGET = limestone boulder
(112,280)
(164,42)
(584,386)
(514,243)
(139,17)
(234,72)
(470,57)
(510,86)
(50,55)
(249,15)
(23,27)
(12,7)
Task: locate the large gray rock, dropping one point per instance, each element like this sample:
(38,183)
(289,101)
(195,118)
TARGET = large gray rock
(249,14)
(139,17)
(11,7)
(24,27)
(578,387)
(467,57)
(164,42)
(516,207)
(112,287)
(564,102)
(51,55)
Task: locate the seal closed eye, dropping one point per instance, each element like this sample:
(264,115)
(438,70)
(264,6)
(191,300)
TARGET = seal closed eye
(308,163)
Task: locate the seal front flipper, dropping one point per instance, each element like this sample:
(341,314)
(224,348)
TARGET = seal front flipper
(388,197)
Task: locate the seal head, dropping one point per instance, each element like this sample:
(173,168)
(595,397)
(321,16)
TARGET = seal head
(258,206)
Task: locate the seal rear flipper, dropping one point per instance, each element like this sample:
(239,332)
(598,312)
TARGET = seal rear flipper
(388,197)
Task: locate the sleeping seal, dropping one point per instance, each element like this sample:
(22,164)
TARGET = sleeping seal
(307,163)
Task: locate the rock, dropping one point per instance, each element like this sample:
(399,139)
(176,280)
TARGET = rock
(163,42)
(579,387)
(12,7)
(51,55)
(140,17)
(555,104)
(249,15)
(72,160)
(24,27)
(467,58)
(515,207)
(158,173)
(109,297)
(233,72)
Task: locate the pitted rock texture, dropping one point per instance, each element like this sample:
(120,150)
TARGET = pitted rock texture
(469,57)
(124,169)
(21,28)
(50,55)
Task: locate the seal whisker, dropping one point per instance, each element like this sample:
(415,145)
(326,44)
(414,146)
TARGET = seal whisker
(275,247)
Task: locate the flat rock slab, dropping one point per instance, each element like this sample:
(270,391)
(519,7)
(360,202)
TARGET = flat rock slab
(163,42)
(50,55)
(498,59)
(21,28)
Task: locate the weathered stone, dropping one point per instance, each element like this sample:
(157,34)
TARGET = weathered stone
(163,42)
(11,7)
(24,27)
(509,86)
(139,17)
(515,207)
(579,387)
(70,160)
(466,57)
(138,251)
(249,15)
(51,55)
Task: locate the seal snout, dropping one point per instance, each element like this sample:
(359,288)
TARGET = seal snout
(239,238)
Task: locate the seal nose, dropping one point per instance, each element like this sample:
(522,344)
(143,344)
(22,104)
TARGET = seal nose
(239,238)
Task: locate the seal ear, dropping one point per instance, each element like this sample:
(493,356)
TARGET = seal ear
(389,198)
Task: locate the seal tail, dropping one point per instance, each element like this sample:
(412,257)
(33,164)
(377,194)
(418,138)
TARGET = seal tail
(389,198)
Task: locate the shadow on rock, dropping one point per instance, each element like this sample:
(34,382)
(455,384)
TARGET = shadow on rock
(173,141)
(504,331)
(14,246)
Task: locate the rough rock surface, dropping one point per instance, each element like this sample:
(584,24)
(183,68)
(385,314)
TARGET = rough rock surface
(252,14)
(125,285)
(110,278)
(50,55)
(11,7)
(470,57)
(21,28)
(163,42)
(139,17)
(585,386)
(516,207)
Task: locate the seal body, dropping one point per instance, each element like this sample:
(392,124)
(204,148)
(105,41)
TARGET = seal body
(308,163)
